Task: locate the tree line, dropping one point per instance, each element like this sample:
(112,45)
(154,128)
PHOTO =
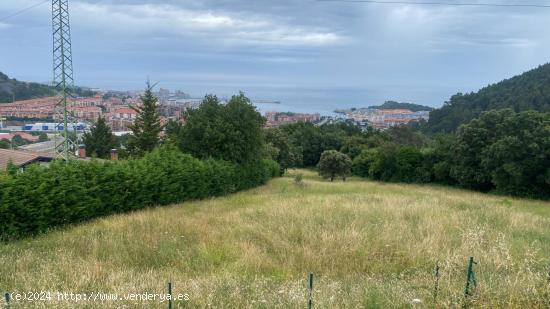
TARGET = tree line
(12,89)
(501,150)
(528,91)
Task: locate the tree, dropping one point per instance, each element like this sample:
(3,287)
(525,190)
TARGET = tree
(404,135)
(43,137)
(147,127)
(285,153)
(528,91)
(506,151)
(100,140)
(5,144)
(313,140)
(334,163)
(17,141)
(353,146)
(472,138)
(383,165)
(519,158)
(308,138)
(173,132)
(361,164)
(231,132)
(440,154)
(410,166)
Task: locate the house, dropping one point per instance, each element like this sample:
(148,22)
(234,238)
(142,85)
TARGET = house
(21,158)
(23,135)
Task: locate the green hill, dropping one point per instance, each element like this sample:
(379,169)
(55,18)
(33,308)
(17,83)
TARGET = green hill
(12,89)
(528,91)
(398,105)
(368,244)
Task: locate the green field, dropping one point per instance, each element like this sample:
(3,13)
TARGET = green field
(368,244)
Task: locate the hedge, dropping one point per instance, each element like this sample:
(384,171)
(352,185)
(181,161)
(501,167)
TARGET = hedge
(42,197)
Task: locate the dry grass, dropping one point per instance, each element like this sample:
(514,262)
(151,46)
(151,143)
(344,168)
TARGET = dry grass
(369,245)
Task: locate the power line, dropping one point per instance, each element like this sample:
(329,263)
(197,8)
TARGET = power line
(528,5)
(23,10)
(32,7)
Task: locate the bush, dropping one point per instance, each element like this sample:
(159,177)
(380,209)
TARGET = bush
(361,163)
(44,197)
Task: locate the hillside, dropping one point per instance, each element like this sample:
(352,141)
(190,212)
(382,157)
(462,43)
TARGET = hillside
(368,244)
(398,105)
(528,91)
(11,88)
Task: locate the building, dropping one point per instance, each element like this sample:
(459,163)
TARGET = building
(23,135)
(275,119)
(385,118)
(42,108)
(88,102)
(48,147)
(88,113)
(124,113)
(22,159)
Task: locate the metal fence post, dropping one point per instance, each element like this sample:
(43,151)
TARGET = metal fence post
(436,285)
(7,296)
(310,301)
(169,294)
(471,278)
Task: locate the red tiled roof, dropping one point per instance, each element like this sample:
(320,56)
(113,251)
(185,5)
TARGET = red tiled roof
(23,135)
(124,110)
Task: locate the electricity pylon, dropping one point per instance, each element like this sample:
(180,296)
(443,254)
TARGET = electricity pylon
(63,75)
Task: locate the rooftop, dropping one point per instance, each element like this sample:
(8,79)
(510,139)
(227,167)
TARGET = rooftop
(21,158)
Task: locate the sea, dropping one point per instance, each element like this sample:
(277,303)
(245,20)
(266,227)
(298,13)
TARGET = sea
(326,100)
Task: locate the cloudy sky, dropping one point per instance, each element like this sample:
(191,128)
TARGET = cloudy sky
(302,52)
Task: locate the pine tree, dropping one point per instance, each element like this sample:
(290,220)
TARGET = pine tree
(100,140)
(147,127)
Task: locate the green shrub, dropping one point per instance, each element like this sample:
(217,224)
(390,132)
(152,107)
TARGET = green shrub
(44,197)
(361,164)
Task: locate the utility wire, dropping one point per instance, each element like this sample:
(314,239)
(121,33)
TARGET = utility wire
(32,7)
(23,10)
(529,5)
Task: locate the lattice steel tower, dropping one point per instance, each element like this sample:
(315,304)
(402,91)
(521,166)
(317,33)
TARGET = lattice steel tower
(63,76)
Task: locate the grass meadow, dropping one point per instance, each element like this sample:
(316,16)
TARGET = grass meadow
(368,244)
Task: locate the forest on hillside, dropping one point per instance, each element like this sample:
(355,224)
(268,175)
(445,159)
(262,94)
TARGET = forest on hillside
(528,91)
(12,89)
(398,105)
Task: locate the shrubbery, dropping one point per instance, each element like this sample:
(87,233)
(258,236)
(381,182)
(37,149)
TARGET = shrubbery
(391,162)
(44,197)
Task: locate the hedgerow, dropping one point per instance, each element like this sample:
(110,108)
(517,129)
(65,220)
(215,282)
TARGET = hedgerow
(41,198)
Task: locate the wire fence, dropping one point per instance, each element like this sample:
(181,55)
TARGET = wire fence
(470,286)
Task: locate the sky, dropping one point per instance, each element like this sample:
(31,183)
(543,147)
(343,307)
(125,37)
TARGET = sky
(308,54)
